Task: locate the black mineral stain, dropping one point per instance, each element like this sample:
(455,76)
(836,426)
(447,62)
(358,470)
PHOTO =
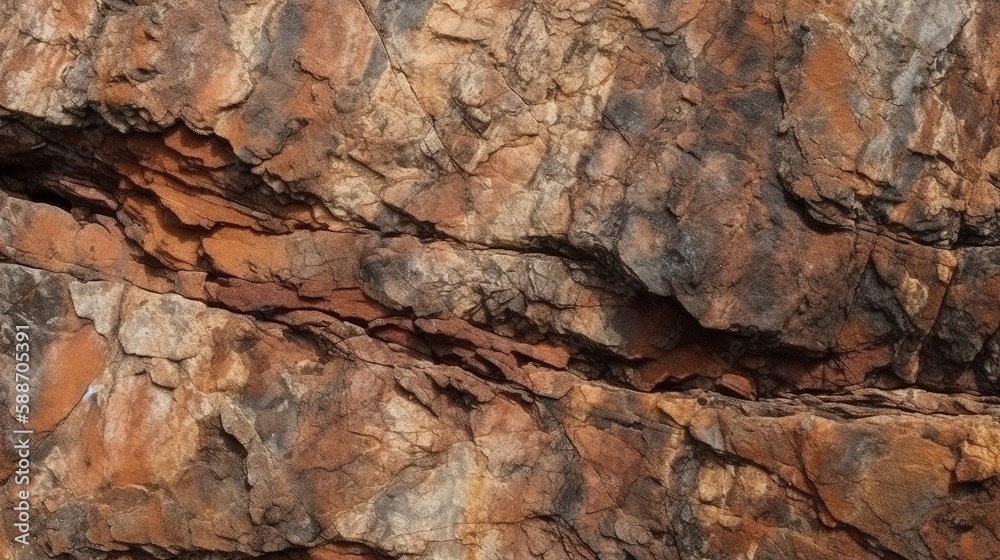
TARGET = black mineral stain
(760,108)
(36,300)
(626,114)
(400,16)
(378,61)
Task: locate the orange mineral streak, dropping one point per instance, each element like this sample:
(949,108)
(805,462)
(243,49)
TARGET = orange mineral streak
(50,238)
(130,459)
(71,363)
(828,70)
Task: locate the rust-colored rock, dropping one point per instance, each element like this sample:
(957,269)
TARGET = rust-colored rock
(440,279)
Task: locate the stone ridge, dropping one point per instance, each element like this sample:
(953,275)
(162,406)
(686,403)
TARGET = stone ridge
(439,279)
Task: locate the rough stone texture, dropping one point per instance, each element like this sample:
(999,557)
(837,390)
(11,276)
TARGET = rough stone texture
(443,279)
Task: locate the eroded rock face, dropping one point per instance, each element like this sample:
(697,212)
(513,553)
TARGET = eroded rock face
(425,279)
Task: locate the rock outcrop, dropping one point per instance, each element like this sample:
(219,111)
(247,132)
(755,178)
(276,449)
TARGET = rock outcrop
(441,279)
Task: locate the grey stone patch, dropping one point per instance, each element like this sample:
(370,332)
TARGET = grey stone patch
(930,25)
(100,302)
(401,15)
(162,326)
(35,298)
(900,41)
(421,502)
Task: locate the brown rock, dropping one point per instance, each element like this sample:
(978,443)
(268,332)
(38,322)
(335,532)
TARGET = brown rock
(420,279)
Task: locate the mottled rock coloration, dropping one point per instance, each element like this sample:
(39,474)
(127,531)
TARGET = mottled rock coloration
(371,279)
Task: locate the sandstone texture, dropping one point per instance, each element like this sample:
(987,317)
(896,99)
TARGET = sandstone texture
(443,279)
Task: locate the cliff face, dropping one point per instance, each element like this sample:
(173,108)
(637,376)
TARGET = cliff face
(562,280)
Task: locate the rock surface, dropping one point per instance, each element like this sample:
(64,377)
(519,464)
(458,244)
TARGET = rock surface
(442,279)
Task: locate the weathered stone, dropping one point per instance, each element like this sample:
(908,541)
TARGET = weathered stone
(440,279)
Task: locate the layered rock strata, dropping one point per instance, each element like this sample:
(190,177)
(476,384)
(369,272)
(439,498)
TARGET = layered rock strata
(441,279)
